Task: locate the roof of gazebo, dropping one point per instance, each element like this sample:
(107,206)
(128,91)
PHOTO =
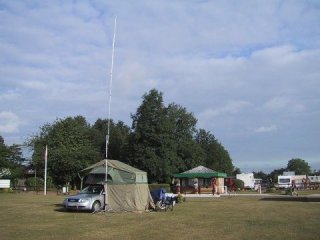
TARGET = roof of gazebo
(200,172)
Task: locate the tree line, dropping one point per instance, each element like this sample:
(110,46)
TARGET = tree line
(162,140)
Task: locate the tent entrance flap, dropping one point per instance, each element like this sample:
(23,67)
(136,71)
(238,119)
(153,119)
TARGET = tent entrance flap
(129,197)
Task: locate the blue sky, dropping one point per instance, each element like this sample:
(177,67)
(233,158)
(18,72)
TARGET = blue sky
(248,70)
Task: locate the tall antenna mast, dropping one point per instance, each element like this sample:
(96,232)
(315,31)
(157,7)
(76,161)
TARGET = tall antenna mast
(110,87)
(106,202)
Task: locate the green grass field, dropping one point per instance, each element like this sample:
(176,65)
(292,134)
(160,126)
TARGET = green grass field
(30,216)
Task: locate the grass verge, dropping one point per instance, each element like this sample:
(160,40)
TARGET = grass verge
(30,216)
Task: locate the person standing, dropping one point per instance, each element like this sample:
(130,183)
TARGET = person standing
(195,184)
(214,185)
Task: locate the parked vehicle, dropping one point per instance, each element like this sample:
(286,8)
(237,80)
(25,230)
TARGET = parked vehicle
(286,181)
(90,198)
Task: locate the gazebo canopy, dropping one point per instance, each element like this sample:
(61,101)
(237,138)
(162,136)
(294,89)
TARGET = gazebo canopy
(200,172)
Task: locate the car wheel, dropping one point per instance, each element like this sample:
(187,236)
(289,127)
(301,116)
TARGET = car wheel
(96,206)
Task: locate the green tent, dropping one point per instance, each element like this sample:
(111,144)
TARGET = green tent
(200,172)
(127,187)
(201,177)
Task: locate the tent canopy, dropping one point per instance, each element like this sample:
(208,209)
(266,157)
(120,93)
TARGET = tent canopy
(200,172)
(118,173)
(126,187)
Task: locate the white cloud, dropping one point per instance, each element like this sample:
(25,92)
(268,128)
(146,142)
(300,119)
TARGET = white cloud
(35,85)
(9,122)
(224,118)
(284,103)
(8,96)
(231,66)
(231,107)
(264,129)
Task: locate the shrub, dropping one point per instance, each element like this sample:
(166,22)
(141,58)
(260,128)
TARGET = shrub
(238,184)
(271,190)
(180,198)
(33,182)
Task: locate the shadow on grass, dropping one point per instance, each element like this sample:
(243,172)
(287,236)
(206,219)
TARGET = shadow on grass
(60,208)
(291,199)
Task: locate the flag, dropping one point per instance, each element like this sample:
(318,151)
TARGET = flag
(45,170)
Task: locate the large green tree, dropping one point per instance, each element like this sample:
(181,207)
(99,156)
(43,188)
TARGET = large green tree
(299,166)
(147,142)
(4,152)
(118,140)
(165,140)
(183,128)
(261,175)
(216,156)
(70,149)
(11,158)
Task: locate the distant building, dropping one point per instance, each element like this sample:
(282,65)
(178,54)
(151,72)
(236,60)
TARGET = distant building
(249,181)
(247,178)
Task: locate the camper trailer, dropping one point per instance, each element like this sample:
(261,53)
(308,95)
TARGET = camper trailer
(286,181)
(314,181)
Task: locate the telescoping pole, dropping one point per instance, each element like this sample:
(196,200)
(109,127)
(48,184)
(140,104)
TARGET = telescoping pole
(109,115)
(45,170)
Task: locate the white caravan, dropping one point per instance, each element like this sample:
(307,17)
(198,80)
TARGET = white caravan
(286,181)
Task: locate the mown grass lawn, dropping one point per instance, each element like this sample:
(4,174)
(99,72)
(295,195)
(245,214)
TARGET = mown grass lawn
(30,216)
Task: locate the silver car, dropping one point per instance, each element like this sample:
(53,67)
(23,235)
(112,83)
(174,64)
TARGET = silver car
(90,198)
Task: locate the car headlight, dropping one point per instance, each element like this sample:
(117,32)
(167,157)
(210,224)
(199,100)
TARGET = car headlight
(83,200)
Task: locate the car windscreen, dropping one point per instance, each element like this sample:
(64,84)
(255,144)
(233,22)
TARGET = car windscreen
(92,190)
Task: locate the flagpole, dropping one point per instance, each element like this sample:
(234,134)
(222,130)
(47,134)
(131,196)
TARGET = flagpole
(110,87)
(45,170)
(109,113)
